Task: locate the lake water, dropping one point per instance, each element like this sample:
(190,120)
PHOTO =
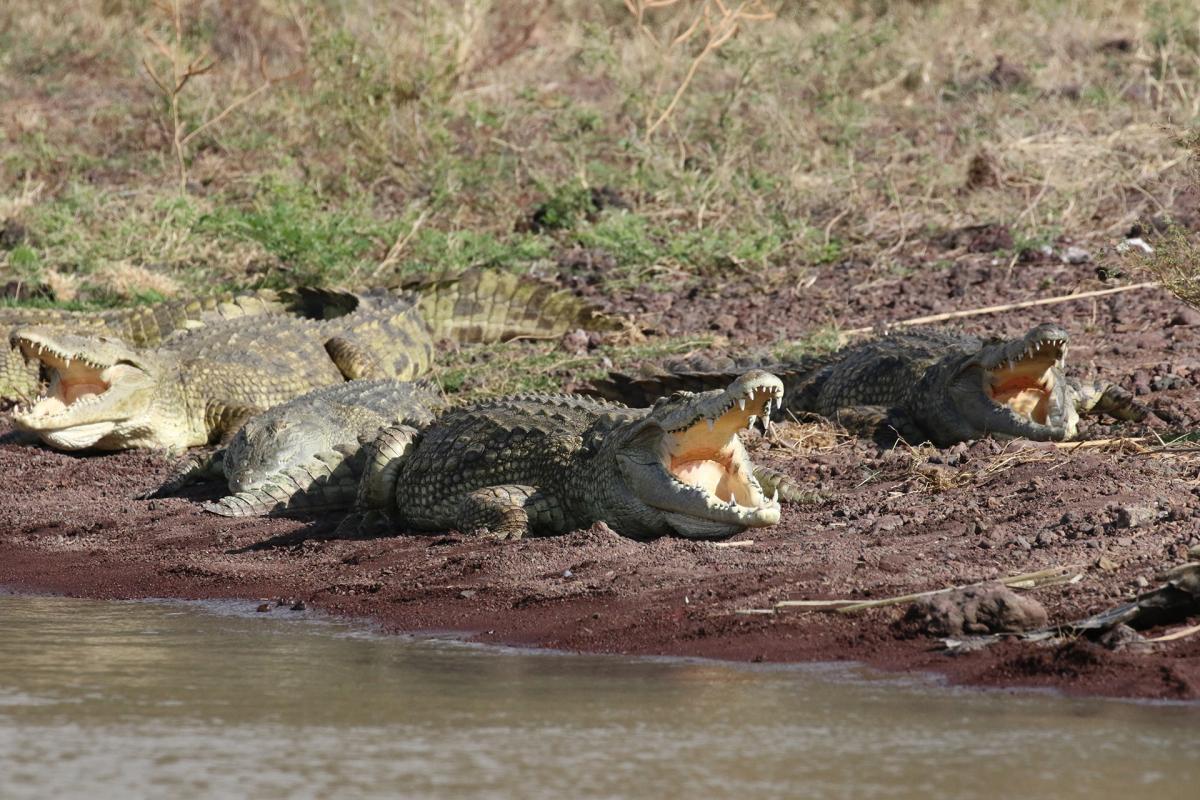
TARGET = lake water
(172,700)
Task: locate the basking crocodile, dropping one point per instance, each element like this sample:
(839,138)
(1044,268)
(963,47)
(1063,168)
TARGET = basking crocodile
(548,464)
(141,326)
(308,452)
(200,385)
(931,385)
(478,305)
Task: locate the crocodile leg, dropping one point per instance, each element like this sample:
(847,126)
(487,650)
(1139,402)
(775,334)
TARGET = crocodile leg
(880,423)
(383,460)
(329,481)
(506,512)
(355,361)
(1102,397)
(195,467)
(774,481)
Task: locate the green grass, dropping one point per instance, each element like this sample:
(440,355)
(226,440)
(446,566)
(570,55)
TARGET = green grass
(836,134)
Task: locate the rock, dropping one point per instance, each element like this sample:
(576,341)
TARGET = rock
(975,610)
(1076,255)
(725,322)
(1123,637)
(888,522)
(1185,316)
(575,342)
(1134,516)
(12,234)
(299,605)
(1046,539)
(1160,383)
(1006,75)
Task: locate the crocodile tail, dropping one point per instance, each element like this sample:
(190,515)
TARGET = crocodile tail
(702,374)
(330,481)
(488,305)
(149,325)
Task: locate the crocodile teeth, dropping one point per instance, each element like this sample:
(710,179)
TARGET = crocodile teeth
(775,495)
(711,423)
(753,419)
(742,403)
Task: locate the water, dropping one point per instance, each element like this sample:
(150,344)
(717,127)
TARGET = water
(132,700)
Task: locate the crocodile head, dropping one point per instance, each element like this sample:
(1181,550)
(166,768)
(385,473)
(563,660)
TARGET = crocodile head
(266,446)
(100,392)
(683,463)
(1016,388)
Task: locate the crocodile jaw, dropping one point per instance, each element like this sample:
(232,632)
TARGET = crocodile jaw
(89,400)
(1026,385)
(1013,389)
(694,470)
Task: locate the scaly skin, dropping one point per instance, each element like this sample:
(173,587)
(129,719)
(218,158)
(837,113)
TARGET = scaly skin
(200,386)
(548,464)
(143,326)
(473,306)
(927,385)
(308,452)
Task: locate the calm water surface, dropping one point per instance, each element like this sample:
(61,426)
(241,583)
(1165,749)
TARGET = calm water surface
(132,700)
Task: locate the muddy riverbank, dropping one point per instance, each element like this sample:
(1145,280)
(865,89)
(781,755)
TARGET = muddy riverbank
(896,521)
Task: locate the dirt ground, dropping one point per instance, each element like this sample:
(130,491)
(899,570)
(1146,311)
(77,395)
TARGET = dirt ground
(897,521)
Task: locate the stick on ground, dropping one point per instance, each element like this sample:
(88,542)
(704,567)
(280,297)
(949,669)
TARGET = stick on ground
(973,312)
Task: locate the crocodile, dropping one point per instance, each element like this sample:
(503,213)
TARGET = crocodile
(307,453)
(200,385)
(549,464)
(938,386)
(141,326)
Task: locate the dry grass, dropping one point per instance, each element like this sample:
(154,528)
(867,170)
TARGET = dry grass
(422,134)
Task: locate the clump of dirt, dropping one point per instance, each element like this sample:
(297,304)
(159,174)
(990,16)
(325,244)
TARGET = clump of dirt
(975,610)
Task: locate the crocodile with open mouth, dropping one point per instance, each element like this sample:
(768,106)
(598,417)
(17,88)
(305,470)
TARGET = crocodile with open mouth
(549,464)
(930,385)
(200,385)
(140,326)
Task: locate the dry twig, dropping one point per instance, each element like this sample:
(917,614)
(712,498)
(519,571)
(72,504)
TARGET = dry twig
(182,70)
(973,312)
(1047,577)
(720,23)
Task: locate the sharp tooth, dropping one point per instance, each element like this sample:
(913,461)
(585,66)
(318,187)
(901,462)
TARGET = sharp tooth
(710,423)
(742,403)
(775,495)
(753,419)
(778,402)
(766,421)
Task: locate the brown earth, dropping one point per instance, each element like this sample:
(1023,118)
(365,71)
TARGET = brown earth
(898,521)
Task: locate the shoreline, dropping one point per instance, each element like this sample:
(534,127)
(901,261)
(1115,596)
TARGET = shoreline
(586,592)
